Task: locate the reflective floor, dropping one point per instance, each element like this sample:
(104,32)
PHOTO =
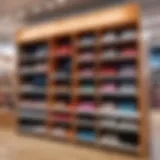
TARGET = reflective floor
(155,132)
(16,147)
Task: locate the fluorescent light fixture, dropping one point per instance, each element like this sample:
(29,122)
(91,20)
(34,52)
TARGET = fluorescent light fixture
(5,19)
(21,14)
(49,5)
(61,1)
(36,9)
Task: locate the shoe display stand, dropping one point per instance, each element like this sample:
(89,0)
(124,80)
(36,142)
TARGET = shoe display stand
(81,79)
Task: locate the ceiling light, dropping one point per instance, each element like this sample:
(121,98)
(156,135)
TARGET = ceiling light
(36,9)
(6,19)
(21,14)
(61,1)
(49,5)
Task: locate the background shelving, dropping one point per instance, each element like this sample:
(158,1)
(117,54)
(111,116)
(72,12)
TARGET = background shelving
(7,83)
(155,73)
(7,90)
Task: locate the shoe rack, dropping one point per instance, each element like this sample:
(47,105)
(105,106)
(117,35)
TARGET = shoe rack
(81,79)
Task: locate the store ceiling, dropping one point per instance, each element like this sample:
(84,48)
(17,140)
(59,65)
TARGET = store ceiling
(12,11)
(14,6)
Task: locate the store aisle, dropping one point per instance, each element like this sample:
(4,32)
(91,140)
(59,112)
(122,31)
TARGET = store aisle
(14,147)
(155,137)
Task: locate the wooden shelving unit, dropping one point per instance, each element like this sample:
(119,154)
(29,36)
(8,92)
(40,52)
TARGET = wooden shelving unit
(81,79)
